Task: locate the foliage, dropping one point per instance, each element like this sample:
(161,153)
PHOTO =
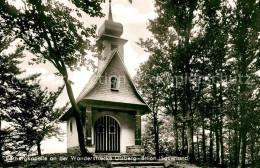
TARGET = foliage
(8,79)
(36,117)
(206,54)
(29,111)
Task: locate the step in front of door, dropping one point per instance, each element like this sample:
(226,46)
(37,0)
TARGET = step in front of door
(120,157)
(137,164)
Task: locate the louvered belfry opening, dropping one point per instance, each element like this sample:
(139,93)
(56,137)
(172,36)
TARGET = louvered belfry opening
(107,135)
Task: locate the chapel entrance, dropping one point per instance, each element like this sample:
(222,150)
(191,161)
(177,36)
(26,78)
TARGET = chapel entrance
(107,135)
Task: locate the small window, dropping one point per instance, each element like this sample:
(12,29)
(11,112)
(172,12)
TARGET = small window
(114,83)
(114,46)
(70,126)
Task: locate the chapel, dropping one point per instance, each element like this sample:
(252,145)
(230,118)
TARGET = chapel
(111,103)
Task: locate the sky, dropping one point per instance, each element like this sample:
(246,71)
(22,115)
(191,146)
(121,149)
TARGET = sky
(134,18)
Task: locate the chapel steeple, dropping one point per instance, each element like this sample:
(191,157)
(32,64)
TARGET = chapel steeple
(110,38)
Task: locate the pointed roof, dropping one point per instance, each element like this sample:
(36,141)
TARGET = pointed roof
(96,77)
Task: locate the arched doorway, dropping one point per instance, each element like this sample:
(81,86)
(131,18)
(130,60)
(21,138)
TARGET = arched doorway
(107,135)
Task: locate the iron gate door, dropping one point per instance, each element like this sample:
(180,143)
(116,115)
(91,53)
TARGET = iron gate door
(107,135)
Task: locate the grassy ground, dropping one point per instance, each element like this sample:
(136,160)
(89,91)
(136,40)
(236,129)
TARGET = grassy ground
(58,160)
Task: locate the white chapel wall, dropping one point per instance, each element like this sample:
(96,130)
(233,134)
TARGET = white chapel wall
(72,137)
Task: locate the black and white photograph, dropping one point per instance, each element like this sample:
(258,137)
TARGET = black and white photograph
(130,83)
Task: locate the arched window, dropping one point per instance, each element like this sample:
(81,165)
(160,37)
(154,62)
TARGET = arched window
(114,83)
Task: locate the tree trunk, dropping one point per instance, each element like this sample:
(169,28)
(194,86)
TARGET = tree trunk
(1,143)
(39,148)
(211,142)
(156,131)
(157,143)
(236,147)
(243,133)
(176,135)
(252,150)
(237,136)
(198,145)
(175,114)
(203,130)
(217,141)
(221,144)
(243,148)
(243,110)
(239,147)
(204,142)
(1,155)
(229,147)
(221,125)
(215,108)
(177,152)
(183,140)
(77,115)
(190,137)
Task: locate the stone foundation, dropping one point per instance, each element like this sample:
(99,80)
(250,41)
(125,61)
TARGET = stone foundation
(135,149)
(76,150)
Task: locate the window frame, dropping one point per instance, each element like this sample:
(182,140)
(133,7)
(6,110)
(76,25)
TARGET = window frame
(116,88)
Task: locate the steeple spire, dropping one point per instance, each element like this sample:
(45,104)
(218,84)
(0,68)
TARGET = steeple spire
(109,27)
(110,16)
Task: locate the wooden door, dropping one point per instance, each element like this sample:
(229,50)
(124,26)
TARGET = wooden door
(107,135)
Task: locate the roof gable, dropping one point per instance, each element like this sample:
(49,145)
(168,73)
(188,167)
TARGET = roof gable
(98,87)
